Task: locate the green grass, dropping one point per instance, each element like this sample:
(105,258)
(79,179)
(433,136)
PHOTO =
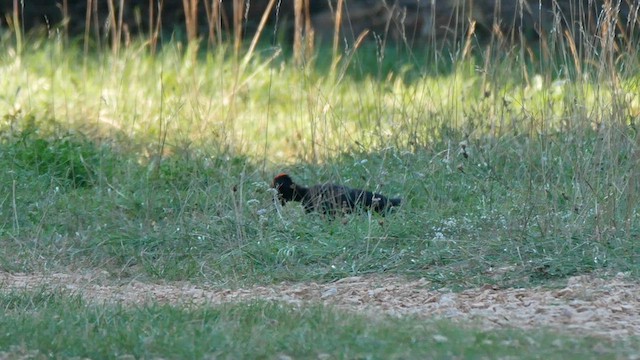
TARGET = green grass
(159,166)
(93,207)
(46,324)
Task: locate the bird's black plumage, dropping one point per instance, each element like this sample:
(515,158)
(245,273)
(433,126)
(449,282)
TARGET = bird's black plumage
(331,198)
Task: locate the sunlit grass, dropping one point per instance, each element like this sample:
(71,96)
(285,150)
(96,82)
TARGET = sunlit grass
(272,110)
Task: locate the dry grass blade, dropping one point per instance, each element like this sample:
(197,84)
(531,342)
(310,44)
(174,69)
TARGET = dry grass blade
(238,9)
(213,13)
(191,18)
(17,24)
(87,26)
(574,51)
(467,45)
(297,35)
(155,34)
(256,36)
(336,35)
(112,27)
(356,45)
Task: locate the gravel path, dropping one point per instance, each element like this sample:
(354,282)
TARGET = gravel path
(588,305)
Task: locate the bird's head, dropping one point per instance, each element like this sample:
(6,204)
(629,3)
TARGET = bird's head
(285,186)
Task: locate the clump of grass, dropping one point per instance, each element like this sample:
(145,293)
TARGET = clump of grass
(65,161)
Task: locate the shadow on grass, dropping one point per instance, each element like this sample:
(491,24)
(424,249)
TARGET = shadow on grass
(511,212)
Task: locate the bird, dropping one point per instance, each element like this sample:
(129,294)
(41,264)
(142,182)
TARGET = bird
(331,199)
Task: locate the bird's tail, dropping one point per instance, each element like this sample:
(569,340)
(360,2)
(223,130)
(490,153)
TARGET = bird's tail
(395,202)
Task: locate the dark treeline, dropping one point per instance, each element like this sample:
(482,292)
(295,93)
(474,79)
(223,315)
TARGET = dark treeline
(409,20)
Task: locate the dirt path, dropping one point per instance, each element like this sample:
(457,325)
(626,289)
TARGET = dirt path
(587,305)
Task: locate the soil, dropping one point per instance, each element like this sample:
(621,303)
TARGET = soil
(587,305)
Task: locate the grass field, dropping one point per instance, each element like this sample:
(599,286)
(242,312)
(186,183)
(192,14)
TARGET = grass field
(158,167)
(262,330)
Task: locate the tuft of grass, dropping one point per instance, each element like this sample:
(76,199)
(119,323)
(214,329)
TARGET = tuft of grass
(32,323)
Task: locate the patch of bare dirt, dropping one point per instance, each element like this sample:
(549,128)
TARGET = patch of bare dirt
(587,305)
